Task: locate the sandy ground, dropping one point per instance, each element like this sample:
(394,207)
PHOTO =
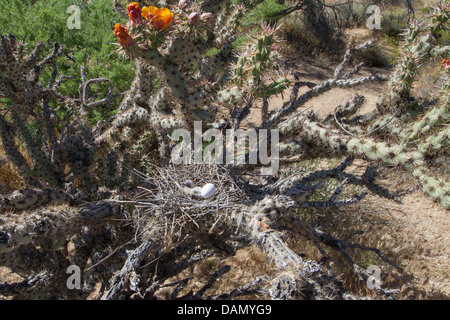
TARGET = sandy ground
(325,104)
(420,237)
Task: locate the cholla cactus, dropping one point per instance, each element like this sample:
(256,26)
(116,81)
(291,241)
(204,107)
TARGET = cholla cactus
(410,148)
(421,40)
(433,118)
(439,16)
(186,66)
(417,131)
(388,154)
(186,47)
(259,56)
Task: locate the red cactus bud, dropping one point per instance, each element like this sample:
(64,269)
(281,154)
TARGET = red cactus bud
(206,17)
(446,64)
(194,18)
(122,35)
(134,12)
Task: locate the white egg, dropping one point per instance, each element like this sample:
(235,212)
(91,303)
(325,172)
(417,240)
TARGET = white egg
(208,190)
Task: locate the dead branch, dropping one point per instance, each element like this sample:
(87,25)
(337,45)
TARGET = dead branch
(28,284)
(119,282)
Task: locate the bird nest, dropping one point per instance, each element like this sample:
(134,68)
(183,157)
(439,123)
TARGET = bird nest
(172,196)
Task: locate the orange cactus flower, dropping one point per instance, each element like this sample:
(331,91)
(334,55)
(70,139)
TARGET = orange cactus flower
(160,18)
(446,64)
(134,12)
(122,35)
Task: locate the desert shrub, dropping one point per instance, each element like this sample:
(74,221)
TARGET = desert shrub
(319,25)
(314,28)
(265,11)
(91,46)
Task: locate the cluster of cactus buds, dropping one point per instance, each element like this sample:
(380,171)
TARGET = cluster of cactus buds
(175,43)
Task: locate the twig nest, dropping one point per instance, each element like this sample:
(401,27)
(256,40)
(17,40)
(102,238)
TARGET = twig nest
(196,191)
(189,184)
(269,204)
(208,190)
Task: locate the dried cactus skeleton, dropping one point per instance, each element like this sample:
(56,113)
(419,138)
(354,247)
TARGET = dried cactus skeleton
(119,239)
(165,214)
